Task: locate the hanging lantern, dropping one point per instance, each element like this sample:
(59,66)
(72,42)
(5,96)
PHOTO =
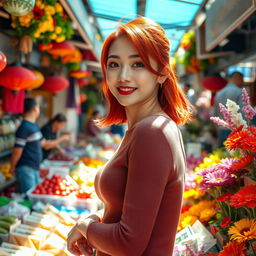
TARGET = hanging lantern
(83,97)
(55,84)
(39,80)
(214,83)
(61,49)
(18,7)
(16,78)
(82,82)
(3,61)
(80,73)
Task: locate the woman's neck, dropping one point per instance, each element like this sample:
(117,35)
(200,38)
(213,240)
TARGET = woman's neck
(138,112)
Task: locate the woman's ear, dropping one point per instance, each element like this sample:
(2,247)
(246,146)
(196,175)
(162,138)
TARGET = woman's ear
(161,79)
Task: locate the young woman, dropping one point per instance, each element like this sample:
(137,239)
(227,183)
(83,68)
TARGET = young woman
(142,185)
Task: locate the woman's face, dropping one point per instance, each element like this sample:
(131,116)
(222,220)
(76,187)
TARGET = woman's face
(128,79)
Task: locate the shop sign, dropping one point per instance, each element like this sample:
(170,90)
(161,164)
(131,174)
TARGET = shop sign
(225,16)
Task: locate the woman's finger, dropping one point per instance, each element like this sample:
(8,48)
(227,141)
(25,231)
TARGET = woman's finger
(84,247)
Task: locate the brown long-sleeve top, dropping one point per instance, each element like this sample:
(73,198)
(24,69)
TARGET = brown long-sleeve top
(141,187)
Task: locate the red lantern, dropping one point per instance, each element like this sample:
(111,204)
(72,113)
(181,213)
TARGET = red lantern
(214,83)
(61,49)
(3,61)
(83,97)
(80,73)
(39,79)
(55,84)
(16,78)
(83,82)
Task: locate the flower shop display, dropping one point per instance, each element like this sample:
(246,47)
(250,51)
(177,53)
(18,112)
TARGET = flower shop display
(45,23)
(18,7)
(3,61)
(189,59)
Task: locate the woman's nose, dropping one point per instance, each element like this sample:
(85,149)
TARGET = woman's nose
(124,74)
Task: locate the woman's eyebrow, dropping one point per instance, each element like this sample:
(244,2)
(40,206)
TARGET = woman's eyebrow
(117,57)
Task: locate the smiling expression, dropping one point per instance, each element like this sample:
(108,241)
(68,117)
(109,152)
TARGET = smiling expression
(128,79)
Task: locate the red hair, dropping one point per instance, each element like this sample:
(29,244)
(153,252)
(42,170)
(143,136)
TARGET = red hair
(149,39)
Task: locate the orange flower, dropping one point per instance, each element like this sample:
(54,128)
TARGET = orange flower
(246,196)
(235,141)
(234,249)
(243,162)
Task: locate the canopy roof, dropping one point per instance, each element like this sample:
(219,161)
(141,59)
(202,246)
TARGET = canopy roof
(175,16)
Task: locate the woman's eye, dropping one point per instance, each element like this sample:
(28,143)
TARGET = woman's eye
(138,64)
(112,64)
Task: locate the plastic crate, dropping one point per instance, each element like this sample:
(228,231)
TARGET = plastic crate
(68,201)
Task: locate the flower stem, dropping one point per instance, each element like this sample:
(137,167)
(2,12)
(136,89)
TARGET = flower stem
(250,243)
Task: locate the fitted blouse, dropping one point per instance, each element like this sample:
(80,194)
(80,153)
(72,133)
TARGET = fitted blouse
(141,187)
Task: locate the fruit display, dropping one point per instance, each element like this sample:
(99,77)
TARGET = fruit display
(5,170)
(60,157)
(91,162)
(5,223)
(83,175)
(56,185)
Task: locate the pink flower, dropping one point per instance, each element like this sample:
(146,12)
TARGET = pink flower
(249,112)
(245,97)
(219,121)
(217,178)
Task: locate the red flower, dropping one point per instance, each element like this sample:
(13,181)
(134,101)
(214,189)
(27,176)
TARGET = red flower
(249,143)
(213,229)
(38,13)
(246,196)
(233,248)
(225,222)
(224,197)
(185,208)
(235,141)
(243,162)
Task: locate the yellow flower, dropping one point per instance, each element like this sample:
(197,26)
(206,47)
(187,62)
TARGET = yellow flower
(243,230)
(207,214)
(60,39)
(187,220)
(49,10)
(58,8)
(58,30)
(53,36)
(40,4)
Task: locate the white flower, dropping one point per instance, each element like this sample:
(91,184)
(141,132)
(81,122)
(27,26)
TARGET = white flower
(238,120)
(232,106)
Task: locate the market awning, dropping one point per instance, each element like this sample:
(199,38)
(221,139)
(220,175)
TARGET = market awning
(176,16)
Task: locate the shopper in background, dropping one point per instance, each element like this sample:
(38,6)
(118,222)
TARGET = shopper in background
(27,152)
(232,91)
(142,185)
(190,93)
(49,132)
(92,129)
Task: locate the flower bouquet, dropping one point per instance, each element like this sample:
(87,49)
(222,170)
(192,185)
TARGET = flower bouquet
(46,22)
(243,136)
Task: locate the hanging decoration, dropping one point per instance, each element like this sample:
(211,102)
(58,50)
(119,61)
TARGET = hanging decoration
(18,7)
(82,82)
(39,80)
(80,73)
(45,23)
(3,61)
(82,97)
(214,83)
(16,78)
(61,49)
(55,84)
(188,59)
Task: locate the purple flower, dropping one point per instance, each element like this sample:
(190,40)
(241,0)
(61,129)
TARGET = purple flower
(217,178)
(245,97)
(227,163)
(249,112)
(227,116)
(210,169)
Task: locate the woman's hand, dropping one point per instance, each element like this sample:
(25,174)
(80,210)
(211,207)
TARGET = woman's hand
(77,243)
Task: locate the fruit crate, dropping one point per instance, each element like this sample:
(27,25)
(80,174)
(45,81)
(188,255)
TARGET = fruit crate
(89,204)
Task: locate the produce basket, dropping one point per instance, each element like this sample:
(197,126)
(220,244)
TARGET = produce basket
(68,201)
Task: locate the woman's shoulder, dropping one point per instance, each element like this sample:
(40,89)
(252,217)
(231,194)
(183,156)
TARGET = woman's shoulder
(155,125)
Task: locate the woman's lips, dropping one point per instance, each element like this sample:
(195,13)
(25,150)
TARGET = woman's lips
(126,90)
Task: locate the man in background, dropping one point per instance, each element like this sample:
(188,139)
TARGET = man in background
(49,132)
(232,91)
